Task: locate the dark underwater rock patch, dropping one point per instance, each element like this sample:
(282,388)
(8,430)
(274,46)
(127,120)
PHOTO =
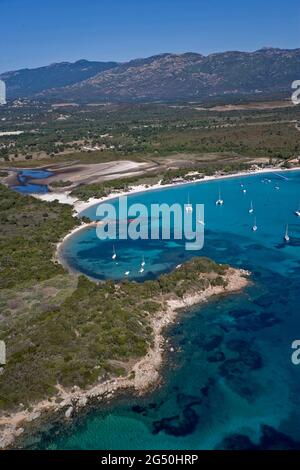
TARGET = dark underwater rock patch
(232,368)
(247,360)
(247,392)
(144,410)
(205,390)
(237,442)
(237,345)
(241,313)
(271,439)
(236,370)
(217,357)
(185,400)
(256,322)
(153,406)
(269,319)
(138,409)
(179,425)
(212,342)
(264,301)
(251,359)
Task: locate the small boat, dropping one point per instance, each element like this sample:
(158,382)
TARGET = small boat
(143,262)
(297,213)
(277,187)
(114,256)
(244,191)
(251,210)
(127,273)
(286,236)
(142,270)
(220,201)
(188,207)
(254,228)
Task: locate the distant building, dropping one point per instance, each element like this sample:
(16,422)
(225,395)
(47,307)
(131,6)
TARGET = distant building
(2,92)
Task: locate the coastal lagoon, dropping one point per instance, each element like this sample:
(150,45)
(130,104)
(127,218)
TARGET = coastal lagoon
(26,186)
(228,381)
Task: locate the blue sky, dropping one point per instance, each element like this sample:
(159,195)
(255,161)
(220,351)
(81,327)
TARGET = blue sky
(39,32)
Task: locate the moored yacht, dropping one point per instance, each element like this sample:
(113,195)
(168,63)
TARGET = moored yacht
(251,210)
(114,255)
(254,228)
(286,236)
(188,207)
(220,201)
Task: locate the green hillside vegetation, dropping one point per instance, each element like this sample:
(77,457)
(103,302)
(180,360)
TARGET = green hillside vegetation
(68,330)
(144,133)
(85,191)
(29,228)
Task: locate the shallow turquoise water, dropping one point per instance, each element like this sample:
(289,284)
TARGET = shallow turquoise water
(230,382)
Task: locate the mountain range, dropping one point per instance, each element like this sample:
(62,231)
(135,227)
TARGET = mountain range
(164,77)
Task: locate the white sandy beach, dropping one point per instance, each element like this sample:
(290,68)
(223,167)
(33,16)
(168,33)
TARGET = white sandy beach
(79,206)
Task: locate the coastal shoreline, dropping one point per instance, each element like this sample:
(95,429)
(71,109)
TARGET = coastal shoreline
(144,374)
(80,206)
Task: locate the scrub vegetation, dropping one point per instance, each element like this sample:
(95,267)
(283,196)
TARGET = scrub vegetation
(146,132)
(67,330)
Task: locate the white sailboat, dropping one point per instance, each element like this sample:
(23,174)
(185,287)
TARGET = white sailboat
(220,201)
(127,273)
(286,236)
(114,255)
(143,262)
(142,270)
(254,228)
(188,206)
(251,210)
(297,213)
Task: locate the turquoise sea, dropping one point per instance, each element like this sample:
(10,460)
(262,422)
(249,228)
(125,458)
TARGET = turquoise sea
(230,382)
